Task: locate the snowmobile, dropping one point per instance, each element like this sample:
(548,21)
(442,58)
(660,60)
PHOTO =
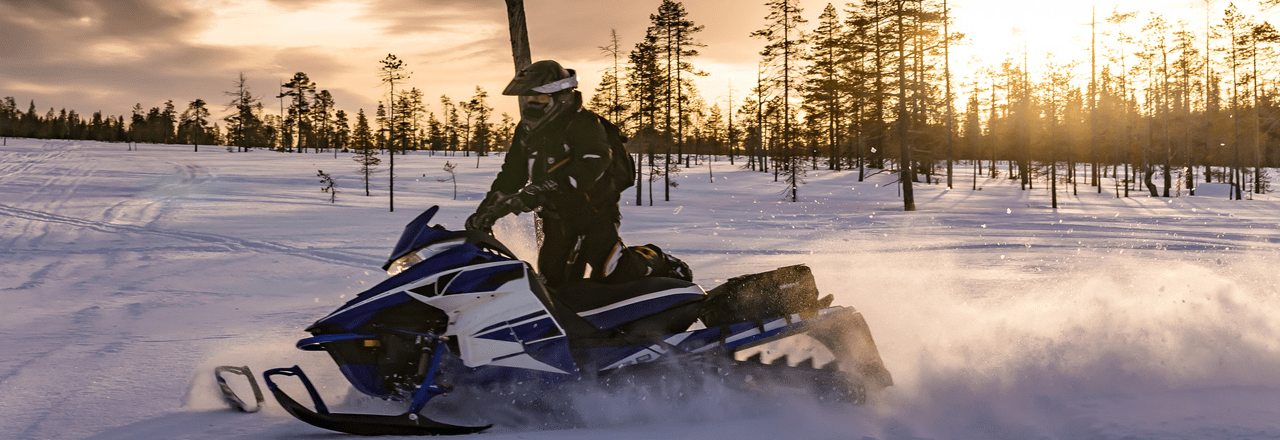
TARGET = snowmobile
(459,309)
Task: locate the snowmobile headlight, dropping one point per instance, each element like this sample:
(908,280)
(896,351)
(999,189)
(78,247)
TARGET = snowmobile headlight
(407,261)
(402,264)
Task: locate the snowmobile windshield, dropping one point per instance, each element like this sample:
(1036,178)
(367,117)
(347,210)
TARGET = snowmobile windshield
(404,263)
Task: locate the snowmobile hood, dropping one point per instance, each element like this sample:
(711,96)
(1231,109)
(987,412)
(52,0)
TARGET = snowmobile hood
(417,235)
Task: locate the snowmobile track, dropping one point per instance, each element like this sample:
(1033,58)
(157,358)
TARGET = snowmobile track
(330,256)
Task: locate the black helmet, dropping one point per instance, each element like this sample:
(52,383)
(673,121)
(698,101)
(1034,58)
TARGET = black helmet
(542,77)
(554,84)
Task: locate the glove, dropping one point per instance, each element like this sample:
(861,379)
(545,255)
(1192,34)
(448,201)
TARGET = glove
(490,210)
(481,222)
(498,205)
(533,195)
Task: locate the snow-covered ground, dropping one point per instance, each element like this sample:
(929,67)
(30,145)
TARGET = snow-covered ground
(126,276)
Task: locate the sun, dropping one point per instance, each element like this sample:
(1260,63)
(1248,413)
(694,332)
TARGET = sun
(1053,35)
(1019,31)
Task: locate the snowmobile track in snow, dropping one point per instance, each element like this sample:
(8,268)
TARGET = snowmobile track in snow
(338,257)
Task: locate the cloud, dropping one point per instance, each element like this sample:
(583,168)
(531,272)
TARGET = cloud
(109,54)
(132,20)
(409,17)
(297,4)
(558,29)
(92,52)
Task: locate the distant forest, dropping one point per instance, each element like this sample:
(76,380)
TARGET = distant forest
(310,123)
(868,86)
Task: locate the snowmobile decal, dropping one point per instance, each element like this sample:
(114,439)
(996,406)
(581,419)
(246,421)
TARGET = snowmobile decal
(613,314)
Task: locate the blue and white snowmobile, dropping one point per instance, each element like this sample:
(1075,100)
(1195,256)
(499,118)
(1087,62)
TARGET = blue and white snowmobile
(460,310)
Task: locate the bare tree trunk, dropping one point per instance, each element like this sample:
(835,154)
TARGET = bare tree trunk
(519,34)
(639,178)
(391,150)
(520,55)
(1095,178)
(906,171)
(1257,120)
(946,50)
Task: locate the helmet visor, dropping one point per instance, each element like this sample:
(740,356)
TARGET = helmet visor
(534,107)
(564,84)
(541,77)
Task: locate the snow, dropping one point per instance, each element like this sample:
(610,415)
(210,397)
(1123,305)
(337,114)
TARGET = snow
(126,276)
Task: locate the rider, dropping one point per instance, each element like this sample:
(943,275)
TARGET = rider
(559,165)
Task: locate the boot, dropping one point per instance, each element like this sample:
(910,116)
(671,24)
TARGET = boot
(677,268)
(663,264)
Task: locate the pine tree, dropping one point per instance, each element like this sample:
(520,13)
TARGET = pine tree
(1119,96)
(435,134)
(452,124)
(341,132)
(1186,68)
(244,125)
(782,53)
(865,71)
(609,99)
(1265,34)
(906,168)
(362,140)
(823,84)
(391,73)
(195,121)
(167,123)
(480,132)
(644,84)
(947,97)
(504,131)
(9,118)
(321,120)
(1235,25)
(383,123)
(673,37)
(414,110)
(299,90)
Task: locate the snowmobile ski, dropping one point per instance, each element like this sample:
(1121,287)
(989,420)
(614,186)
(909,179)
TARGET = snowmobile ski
(409,423)
(229,396)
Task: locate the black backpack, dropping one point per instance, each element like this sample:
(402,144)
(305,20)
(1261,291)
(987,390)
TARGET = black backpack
(780,292)
(622,169)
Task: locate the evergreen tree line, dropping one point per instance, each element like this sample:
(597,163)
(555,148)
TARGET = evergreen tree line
(308,121)
(870,86)
(160,125)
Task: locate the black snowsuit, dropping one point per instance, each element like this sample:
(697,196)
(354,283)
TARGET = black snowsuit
(580,218)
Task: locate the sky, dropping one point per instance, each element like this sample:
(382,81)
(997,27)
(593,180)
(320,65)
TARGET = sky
(108,55)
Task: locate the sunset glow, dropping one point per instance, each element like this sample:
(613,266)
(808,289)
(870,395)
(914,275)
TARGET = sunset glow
(452,47)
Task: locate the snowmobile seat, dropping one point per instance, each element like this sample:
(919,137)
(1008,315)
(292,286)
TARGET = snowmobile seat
(611,306)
